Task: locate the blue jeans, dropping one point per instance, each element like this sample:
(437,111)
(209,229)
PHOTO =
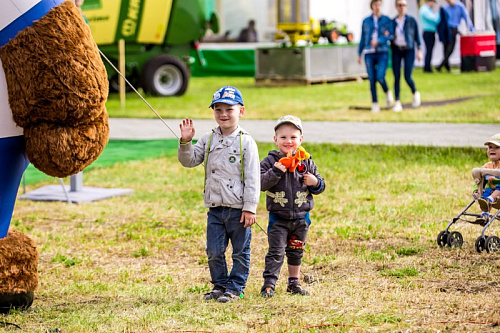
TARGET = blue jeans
(223,224)
(376,65)
(408,56)
(13,162)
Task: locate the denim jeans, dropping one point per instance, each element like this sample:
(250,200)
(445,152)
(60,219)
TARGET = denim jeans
(223,224)
(376,65)
(408,56)
(13,162)
(429,40)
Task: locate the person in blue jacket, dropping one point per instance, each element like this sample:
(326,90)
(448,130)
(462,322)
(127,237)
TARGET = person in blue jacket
(406,38)
(455,12)
(429,19)
(376,32)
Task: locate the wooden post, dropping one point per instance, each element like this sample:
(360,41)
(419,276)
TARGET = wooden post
(121,67)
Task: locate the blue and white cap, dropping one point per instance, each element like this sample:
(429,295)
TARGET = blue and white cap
(227,95)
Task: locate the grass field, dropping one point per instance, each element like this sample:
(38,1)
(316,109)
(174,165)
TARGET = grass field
(333,101)
(137,264)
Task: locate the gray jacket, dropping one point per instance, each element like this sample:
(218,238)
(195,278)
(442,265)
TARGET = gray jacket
(286,194)
(224,183)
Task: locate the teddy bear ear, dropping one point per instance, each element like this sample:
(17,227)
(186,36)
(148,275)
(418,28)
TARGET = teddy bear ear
(57,87)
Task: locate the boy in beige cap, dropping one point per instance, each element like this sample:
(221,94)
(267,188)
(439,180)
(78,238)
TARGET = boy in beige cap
(492,187)
(289,198)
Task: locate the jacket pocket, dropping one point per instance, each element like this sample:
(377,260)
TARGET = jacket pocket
(232,191)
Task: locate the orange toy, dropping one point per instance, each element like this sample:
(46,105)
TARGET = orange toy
(293,160)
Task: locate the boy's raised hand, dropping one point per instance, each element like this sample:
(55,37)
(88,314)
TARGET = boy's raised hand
(187,130)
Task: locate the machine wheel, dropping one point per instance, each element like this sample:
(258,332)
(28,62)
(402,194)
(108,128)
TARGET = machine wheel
(442,238)
(492,244)
(455,239)
(349,37)
(165,75)
(333,36)
(480,244)
(114,85)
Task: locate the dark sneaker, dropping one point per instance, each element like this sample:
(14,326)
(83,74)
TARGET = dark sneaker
(267,292)
(214,294)
(484,204)
(228,297)
(296,289)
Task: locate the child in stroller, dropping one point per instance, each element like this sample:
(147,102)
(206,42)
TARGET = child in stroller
(486,193)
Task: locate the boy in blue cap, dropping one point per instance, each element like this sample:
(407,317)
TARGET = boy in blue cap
(231,192)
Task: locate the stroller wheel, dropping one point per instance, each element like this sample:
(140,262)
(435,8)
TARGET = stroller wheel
(480,244)
(455,239)
(492,244)
(442,238)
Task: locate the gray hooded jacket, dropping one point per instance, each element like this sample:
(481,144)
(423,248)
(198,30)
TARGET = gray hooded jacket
(227,182)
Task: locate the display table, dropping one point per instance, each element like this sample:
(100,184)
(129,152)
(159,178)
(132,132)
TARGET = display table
(308,64)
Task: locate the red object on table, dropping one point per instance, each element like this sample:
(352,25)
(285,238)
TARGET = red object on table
(478,52)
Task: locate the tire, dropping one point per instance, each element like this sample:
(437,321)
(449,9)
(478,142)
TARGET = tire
(333,35)
(114,85)
(480,244)
(349,37)
(442,239)
(492,244)
(455,240)
(165,75)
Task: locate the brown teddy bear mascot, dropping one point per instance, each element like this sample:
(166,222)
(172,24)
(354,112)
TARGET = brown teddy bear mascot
(53,89)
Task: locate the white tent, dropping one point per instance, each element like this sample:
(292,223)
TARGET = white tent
(235,15)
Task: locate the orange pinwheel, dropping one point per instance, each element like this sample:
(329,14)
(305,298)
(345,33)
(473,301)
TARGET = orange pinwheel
(291,161)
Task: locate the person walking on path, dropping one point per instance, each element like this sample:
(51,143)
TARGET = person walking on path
(406,37)
(376,32)
(429,19)
(456,12)
(231,190)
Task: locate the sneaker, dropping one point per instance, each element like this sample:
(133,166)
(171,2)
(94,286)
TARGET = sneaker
(389,98)
(375,108)
(484,204)
(229,297)
(296,289)
(416,100)
(213,295)
(397,107)
(267,292)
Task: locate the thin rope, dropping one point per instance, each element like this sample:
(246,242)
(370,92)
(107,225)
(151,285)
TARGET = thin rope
(135,90)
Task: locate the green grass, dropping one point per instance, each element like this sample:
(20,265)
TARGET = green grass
(117,151)
(332,102)
(136,263)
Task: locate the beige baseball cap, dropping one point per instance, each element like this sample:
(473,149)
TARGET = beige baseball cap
(495,139)
(289,119)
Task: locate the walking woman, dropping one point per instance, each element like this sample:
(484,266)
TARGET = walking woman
(429,19)
(406,37)
(376,32)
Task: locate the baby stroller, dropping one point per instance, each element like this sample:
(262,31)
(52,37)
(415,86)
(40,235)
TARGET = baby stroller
(483,242)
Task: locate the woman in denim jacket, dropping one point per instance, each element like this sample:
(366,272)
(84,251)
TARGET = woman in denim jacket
(406,36)
(376,32)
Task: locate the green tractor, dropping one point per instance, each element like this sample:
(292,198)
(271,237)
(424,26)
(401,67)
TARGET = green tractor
(333,30)
(159,36)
